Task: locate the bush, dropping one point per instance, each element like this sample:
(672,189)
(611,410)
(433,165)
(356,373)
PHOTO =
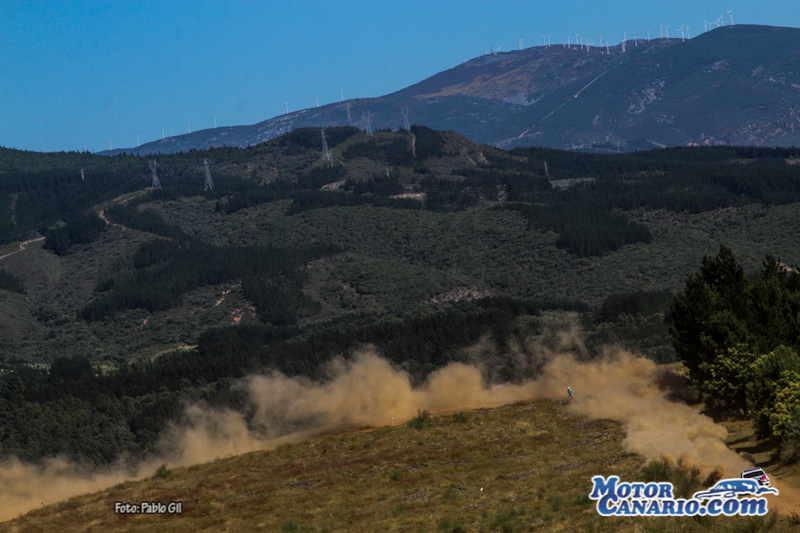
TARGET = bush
(460,417)
(422,419)
(162,473)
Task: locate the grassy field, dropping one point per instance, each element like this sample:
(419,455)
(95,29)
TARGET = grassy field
(521,467)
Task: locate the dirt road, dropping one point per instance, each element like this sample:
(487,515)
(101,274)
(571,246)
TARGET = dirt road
(22,246)
(788,501)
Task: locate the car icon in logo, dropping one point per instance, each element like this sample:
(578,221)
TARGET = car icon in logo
(731,488)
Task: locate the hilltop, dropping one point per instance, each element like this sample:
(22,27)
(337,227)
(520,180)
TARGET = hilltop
(734,85)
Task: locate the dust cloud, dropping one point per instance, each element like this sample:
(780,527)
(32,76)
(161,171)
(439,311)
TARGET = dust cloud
(367,390)
(623,387)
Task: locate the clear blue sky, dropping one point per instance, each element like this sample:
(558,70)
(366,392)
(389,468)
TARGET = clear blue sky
(75,74)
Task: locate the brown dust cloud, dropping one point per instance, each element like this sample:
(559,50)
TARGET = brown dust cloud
(367,390)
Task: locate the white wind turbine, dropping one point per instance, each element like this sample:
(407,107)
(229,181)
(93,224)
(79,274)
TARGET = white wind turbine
(730,12)
(681,30)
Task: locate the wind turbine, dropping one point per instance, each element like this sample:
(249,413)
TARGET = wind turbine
(730,12)
(188,127)
(544,40)
(635,41)
(687,32)
(520,44)
(705,25)
(666,31)
(648,36)
(137,140)
(660,32)
(215,122)
(286,107)
(681,30)
(316,99)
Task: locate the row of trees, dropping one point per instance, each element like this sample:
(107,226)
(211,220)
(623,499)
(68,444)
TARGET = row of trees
(80,229)
(166,270)
(87,415)
(739,336)
(584,231)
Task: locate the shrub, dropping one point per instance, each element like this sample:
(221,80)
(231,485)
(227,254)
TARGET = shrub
(163,472)
(422,419)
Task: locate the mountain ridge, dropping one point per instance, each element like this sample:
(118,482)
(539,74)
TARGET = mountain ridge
(714,89)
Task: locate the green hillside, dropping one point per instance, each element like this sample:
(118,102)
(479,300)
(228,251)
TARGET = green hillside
(418,242)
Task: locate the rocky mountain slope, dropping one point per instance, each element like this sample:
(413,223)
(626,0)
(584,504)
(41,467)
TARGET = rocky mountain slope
(735,85)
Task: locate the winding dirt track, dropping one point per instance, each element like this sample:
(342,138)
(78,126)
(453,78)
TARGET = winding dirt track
(22,246)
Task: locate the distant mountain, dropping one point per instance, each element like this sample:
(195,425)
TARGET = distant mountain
(735,85)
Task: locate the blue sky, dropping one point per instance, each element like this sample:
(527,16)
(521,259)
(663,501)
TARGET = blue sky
(75,74)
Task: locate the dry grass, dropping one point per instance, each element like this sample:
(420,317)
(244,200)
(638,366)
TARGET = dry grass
(517,467)
(520,467)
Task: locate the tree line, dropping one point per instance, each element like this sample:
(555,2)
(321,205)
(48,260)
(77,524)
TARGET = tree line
(86,414)
(739,336)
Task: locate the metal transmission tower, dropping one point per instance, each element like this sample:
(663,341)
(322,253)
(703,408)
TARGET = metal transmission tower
(209,182)
(326,154)
(153,165)
(367,118)
(405,119)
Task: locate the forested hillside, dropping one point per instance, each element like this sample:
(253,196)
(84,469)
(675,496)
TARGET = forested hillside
(421,243)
